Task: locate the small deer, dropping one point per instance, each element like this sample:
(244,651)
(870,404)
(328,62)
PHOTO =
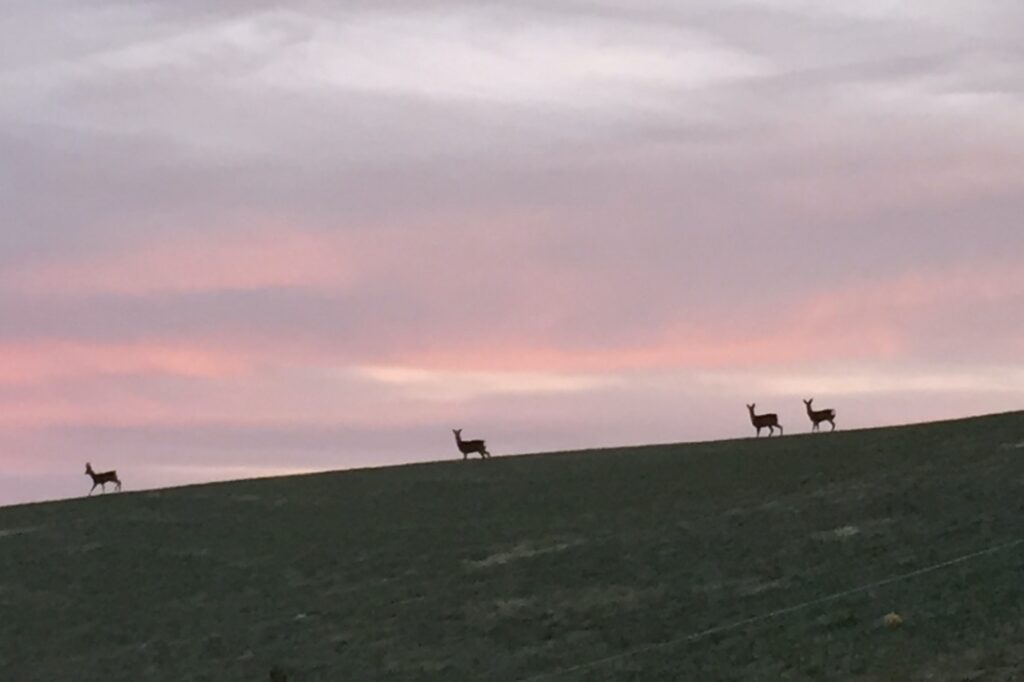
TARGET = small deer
(469,446)
(102,479)
(818,416)
(761,421)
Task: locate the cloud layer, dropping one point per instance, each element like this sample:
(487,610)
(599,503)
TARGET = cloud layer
(269,237)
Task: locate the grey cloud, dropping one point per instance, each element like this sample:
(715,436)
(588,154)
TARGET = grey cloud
(196,144)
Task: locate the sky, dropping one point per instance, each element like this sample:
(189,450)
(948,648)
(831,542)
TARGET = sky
(253,238)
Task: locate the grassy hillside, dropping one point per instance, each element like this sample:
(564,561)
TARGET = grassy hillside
(529,567)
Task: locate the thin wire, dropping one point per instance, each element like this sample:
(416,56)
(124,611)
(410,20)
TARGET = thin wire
(693,637)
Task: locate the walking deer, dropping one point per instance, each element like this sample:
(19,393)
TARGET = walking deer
(102,479)
(761,421)
(466,447)
(818,416)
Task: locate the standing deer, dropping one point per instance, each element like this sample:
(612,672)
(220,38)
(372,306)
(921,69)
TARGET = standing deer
(469,446)
(102,479)
(818,416)
(760,421)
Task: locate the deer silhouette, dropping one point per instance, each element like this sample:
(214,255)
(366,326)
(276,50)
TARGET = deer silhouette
(760,421)
(469,446)
(818,416)
(102,479)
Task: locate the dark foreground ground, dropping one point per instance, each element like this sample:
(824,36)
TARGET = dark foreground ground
(564,567)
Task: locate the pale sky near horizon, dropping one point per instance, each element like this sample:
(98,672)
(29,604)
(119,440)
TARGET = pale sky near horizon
(249,238)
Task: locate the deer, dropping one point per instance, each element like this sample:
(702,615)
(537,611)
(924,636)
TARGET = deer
(818,416)
(761,421)
(102,479)
(469,446)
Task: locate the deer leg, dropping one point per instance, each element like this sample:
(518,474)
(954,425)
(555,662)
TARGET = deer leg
(119,486)
(92,488)
(833,423)
(758,431)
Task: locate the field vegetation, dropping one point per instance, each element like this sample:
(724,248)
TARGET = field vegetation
(734,560)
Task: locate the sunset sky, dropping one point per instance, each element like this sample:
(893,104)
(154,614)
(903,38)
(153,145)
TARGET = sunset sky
(248,238)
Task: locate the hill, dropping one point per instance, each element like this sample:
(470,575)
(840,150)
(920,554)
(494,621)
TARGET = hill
(734,560)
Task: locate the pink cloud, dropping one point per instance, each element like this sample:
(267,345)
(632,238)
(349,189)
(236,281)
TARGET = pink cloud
(238,259)
(896,303)
(874,320)
(447,251)
(505,305)
(36,362)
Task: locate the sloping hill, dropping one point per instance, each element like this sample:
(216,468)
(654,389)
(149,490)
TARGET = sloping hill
(599,565)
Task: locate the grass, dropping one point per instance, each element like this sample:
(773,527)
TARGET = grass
(529,567)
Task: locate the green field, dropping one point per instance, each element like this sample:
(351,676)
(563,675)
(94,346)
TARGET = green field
(592,565)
